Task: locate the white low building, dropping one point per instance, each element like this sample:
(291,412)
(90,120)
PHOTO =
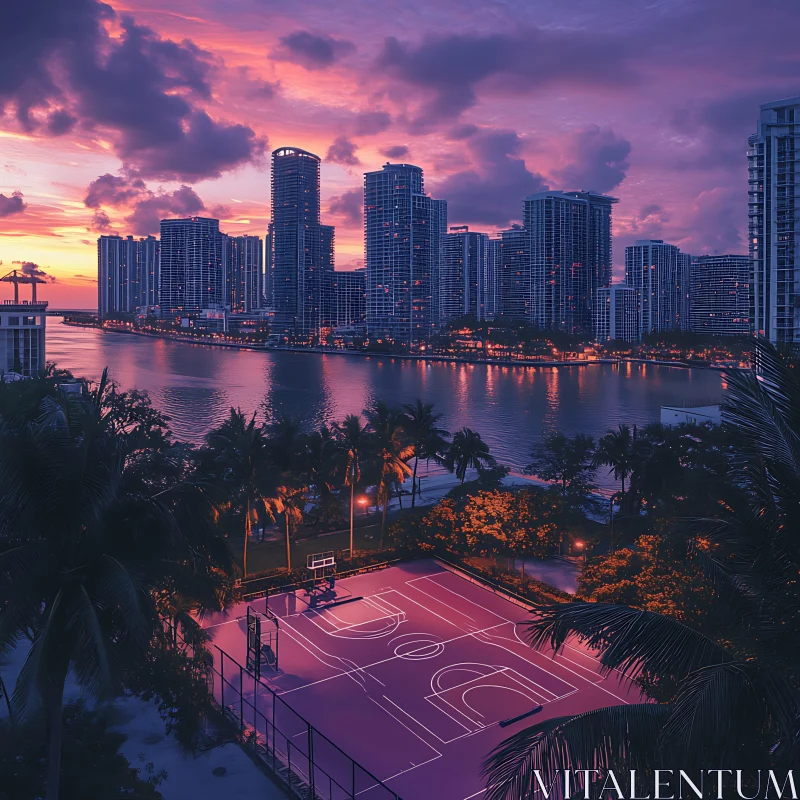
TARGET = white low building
(22,338)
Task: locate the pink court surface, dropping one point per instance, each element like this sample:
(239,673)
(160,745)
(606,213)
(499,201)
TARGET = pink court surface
(412,679)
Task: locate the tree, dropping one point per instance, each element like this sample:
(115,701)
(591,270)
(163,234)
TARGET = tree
(518,524)
(468,451)
(288,500)
(318,467)
(390,450)
(82,556)
(567,461)
(243,467)
(615,450)
(352,440)
(429,441)
(729,696)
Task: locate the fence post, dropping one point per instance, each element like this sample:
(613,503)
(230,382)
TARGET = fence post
(241,698)
(221,679)
(311,760)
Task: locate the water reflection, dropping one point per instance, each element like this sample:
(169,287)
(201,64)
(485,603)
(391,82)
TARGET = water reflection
(510,407)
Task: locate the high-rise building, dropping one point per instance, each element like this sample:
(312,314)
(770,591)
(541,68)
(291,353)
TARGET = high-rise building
(244,273)
(616,313)
(438,223)
(127,274)
(774,233)
(462,284)
(516,284)
(684,273)
(403,233)
(269,269)
(720,295)
(494,271)
(346,298)
(651,267)
(192,266)
(302,248)
(570,253)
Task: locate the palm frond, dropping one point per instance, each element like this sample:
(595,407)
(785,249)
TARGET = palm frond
(754,701)
(630,640)
(625,736)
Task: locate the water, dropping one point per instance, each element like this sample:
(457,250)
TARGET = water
(195,385)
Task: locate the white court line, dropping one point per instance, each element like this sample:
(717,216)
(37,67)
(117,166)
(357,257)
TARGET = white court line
(219,624)
(425,608)
(553,660)
(463,597)
(424,727)
(466,683)
(356,670)
(413,733)
(393,658)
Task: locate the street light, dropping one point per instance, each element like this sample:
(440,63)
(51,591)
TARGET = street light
(579,545)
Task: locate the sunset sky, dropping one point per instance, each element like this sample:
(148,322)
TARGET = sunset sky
(116,115)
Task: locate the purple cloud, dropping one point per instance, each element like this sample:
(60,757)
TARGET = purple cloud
(492,191)
(34,271)
(146,207)
(601,160)
(349,206)
(141,90)
(368,123)
(343,151)
(395,151)
(454,65)
(15,204)
(311,51)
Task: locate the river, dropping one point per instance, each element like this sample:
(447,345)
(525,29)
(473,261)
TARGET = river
(195,386)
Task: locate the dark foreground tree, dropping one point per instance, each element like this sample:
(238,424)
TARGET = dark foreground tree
(87,545)
(731,698)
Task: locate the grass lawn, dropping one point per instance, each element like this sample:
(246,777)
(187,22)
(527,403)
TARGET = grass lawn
(272,555)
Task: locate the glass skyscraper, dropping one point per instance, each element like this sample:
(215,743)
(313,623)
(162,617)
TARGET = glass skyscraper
(192,266)
(301,248)
(403,230)
(774,200)
(570,256)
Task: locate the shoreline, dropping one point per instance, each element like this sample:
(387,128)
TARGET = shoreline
(407,356)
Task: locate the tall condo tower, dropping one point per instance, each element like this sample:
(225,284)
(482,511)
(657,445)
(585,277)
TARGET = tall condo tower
(127,274)
(570,256)
(463,276)
(652,268)
(301,248)
(192,266)
(774,200)
(403,231)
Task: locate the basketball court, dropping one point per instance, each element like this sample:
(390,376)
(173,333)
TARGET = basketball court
(410,671)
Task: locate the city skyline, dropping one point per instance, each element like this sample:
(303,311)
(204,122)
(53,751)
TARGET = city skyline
(516,121)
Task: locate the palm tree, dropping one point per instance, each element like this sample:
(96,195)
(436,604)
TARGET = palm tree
(391,450)
(615,450)
(242,464)
(318,467)
(430,441)
(352,439)
(83,550)
(469,451)
(735,700)
(289,501)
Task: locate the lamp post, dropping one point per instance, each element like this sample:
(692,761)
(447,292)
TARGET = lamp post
(579,545)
